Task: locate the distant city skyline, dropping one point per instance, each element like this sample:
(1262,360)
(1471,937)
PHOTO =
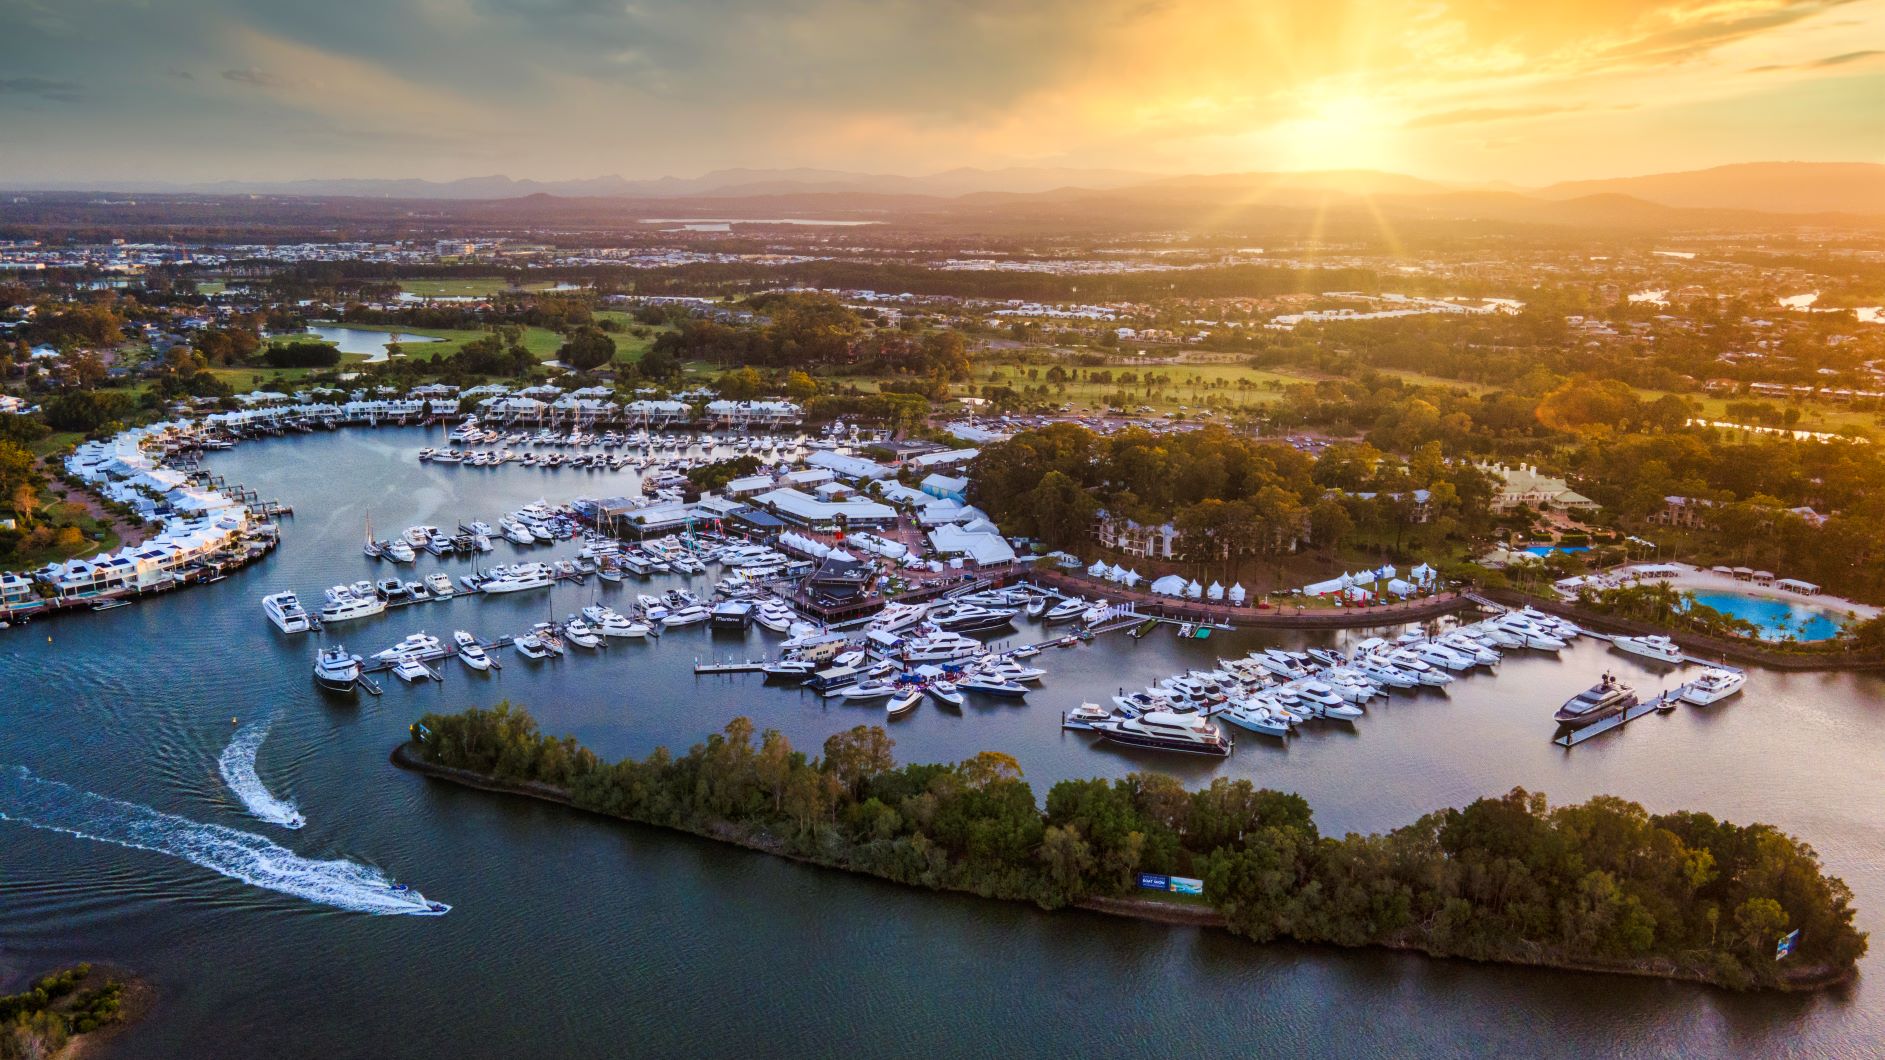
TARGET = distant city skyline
(1455,90)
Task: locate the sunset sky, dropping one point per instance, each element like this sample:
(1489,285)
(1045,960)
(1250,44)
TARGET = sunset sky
(1528,91)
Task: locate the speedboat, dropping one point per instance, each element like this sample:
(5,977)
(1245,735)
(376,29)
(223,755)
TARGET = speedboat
(945,692)
(414,644)
(410,669)
(1713,686)
(1065,611)
(904,701)
(1035,606)
(1655,646)
(1602,700)
(336,670)
(870,690)
(285,611)
(1167,732)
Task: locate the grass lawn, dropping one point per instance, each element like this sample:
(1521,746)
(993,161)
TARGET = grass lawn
(56,442)
(541,342)
(63,512)
(1192,386)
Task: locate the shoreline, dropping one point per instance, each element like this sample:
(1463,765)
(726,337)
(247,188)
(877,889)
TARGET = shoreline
(404,756)
(136,1001)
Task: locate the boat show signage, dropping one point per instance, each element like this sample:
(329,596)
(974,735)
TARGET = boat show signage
(1158,881)
(1787,942)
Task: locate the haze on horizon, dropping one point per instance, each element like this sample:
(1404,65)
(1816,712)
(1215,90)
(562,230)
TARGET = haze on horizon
(1467,90)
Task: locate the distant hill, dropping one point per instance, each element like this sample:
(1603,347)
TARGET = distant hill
(1772,187)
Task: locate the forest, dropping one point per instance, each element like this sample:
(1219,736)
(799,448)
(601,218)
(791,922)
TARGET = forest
(1603,884)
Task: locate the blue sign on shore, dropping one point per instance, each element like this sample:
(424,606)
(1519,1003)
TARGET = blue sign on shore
(1153,881)
(1187,885)
(1787,943)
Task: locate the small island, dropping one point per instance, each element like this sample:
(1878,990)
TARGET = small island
(66,1011)
(1600,886)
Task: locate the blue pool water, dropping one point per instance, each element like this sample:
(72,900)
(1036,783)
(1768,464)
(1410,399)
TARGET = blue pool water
(1777,619)
(1546,550)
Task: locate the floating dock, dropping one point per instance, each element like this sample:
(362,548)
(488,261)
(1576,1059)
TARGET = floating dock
(1668,697)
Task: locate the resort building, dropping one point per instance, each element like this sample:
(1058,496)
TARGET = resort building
(1138,539)
(1526,485)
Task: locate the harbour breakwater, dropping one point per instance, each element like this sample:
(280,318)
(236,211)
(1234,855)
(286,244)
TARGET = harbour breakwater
(975,827)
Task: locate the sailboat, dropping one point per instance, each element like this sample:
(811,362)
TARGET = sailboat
(372,548)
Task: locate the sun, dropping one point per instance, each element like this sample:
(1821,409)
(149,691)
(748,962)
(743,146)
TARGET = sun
(1346,131)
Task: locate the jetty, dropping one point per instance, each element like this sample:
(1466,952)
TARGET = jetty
(1664,701)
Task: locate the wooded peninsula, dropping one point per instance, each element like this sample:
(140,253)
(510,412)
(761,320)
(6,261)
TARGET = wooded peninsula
(1602,885)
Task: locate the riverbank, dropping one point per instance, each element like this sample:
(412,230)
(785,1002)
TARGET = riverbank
(90,1006)
(409,756)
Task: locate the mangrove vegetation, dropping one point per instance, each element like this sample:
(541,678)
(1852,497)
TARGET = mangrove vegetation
(1603,884)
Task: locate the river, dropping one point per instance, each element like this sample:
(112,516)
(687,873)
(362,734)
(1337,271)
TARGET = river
(571,935)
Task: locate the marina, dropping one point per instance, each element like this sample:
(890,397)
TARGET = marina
(1424,745)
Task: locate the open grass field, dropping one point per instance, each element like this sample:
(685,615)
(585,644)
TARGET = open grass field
(464,287)
(541,342)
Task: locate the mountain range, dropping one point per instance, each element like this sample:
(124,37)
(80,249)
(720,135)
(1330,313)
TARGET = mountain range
(1766,187)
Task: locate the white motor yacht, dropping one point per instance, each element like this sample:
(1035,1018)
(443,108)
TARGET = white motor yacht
(1256,717)
(1713,686)
(1655,646)
(440,585)
(1168,732)
(523,576)
(774,616)
(285,611)
(687,616)
(946,692)
(344,604)
(581,634)
(419,643)
(904,701)
(336,670)
(1084,716)
(410,669)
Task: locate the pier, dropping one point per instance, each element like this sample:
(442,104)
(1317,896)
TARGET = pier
(1667,698)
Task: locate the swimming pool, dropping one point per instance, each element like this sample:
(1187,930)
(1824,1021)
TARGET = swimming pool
(1546,550)
(1777,619)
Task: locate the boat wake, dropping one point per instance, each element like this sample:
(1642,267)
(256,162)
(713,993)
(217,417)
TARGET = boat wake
(238,769)
(244,856)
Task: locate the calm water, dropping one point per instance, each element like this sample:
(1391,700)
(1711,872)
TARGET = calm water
(1777,619)
(364,340)
(574,936)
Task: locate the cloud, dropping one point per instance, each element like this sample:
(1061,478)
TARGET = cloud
(1475,115)
(44,88)
(255,78)
(1820,64)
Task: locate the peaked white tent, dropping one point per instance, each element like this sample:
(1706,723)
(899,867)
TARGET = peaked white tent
(1215,592)
(1237,594)
(1132,578)
(1194,590)
(1097,570)
(1117,574)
